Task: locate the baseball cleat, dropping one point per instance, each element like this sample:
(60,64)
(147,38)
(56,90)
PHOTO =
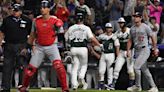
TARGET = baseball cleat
(101,86)
(22,89)
(75,87)
(153,89)
(110,87)
(134,89)
(82,84)
(85,86)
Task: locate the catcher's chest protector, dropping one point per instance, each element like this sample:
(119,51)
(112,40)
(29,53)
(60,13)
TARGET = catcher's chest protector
(45,31)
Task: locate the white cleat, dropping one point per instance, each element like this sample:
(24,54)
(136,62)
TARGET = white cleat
(134,89)
(85,86)
(153,89)
(75,87)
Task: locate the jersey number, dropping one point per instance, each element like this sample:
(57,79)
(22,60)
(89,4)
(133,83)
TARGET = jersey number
(141,38)
(110,46)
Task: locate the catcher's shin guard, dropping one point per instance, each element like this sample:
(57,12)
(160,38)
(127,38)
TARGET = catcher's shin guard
(61,73)
(28,73)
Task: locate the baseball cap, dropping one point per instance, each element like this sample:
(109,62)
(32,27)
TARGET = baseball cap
(45,4)
(156,0)
(137,14)
(98,27)
(121,20)
(108,25)
(17,7)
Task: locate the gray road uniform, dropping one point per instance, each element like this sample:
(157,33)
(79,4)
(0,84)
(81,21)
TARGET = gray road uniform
(139,36)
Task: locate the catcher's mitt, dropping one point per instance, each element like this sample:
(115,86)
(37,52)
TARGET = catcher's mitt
(68,57)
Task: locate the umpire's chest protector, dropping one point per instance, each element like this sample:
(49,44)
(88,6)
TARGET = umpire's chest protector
(45,31)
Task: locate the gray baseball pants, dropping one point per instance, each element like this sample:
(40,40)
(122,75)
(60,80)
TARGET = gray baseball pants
(140,64)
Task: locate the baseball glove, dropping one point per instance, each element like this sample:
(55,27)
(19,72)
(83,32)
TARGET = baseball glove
(153,55)
(68,57)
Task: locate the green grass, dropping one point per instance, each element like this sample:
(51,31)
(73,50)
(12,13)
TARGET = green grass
(79,90)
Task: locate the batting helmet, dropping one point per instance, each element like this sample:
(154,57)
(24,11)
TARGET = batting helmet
(79,17)
(45,4)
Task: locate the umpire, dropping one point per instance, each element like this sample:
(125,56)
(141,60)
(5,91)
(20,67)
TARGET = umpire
(14,30)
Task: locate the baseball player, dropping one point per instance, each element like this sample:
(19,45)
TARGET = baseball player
(111,45)
(123,36)
(139,34)
(78,35)
(44,32)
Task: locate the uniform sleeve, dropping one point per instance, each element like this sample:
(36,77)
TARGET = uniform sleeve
(89,33)
(149,31)
(130,33)
(103,37)
(88,10)
(116,42)
(66,36)
(33,28)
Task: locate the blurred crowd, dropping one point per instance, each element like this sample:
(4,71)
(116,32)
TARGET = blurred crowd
(97,14)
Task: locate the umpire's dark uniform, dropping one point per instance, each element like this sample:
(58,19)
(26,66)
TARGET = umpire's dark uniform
(15,29)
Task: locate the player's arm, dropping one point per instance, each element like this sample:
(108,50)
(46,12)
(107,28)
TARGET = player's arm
(58,25)
(154,41)
(96,54)
(32,35)
(117,46)
(117,50)
(129,45)
(1,37)
(152,36)
(66,37)
(31,38)
(2,29)
(95,41)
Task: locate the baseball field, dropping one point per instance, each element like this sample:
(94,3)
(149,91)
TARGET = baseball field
(79,90)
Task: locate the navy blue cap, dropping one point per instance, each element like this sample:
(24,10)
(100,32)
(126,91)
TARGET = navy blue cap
(45,4)
(98,27)
(17,7)
(139,14)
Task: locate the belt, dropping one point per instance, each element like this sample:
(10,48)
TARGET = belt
(140,47)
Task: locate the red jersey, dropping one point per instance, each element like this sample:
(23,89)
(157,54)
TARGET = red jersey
(45,30)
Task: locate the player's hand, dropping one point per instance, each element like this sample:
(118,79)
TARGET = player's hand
(24,52)
(155,52)
(102,47)
(128,53)
(33,48)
